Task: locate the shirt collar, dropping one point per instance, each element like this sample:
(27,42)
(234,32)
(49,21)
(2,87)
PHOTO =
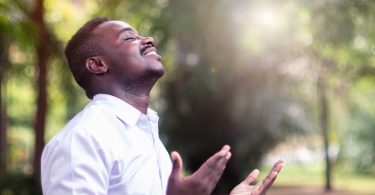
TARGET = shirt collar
(123,110)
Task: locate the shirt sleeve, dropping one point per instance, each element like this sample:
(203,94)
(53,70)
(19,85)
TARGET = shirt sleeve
(75,164)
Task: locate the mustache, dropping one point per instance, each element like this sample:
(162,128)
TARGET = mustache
(144,49)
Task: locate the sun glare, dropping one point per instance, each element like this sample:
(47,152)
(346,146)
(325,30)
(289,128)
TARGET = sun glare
(267,17)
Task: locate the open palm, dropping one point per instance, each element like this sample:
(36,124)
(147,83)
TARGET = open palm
(245,187)
(201,182)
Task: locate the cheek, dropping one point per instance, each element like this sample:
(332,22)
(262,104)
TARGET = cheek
(130,65)
(127,57)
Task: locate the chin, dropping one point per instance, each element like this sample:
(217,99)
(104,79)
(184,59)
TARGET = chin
(158,69)
(159,72)
(155,72)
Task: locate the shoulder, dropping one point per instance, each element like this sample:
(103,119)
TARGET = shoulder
(79,156)
(95,126)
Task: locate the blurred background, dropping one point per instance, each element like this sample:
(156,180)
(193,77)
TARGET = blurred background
(291,80)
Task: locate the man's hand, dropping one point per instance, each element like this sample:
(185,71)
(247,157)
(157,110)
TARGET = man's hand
(245,187)
(203,181)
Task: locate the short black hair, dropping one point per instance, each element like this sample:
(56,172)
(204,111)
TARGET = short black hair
(81,46)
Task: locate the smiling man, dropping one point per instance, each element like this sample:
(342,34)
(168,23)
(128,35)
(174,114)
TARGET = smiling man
(112,146)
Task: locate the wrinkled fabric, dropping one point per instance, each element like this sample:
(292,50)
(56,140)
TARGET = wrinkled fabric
(109,148)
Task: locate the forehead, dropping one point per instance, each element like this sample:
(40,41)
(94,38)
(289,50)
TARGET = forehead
(113,27)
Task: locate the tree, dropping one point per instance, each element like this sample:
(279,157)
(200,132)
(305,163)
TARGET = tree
(215,96)
(43,41)
(340,31)
(3,116)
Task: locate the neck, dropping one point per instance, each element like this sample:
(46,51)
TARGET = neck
(135,92)
(136,96)
(138,101)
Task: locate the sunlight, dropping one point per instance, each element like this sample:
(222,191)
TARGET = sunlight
(258,26)
(267,17)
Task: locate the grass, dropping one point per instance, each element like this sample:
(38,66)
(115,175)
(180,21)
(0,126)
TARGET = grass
(313,175)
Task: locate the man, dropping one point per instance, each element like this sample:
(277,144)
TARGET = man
(112,146)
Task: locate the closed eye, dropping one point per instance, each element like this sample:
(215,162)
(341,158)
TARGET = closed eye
(130,39)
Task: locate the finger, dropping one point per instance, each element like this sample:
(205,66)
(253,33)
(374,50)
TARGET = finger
(228,155)
(271,177)
(251,177)
(211,170)
(278,165)
(267,182)
(226,148)
(219,159)
(224,152)
(177,165)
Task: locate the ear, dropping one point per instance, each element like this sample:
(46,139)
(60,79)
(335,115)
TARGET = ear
(96,65)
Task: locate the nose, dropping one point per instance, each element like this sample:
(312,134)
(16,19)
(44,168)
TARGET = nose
(148,41)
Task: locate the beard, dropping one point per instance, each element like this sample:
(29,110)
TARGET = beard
(143,83)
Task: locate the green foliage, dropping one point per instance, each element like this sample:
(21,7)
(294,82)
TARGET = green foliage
(239,72)
(216,95)
(19,184)
(343,46)
(359,145)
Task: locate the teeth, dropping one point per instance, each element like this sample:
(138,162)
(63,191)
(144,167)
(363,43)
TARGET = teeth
(151,53)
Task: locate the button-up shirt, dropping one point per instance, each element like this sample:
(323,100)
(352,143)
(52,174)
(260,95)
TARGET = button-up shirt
(109,148)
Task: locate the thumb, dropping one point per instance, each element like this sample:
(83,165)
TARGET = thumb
(177,165)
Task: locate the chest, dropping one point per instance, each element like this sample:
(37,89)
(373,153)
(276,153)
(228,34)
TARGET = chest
(142,164)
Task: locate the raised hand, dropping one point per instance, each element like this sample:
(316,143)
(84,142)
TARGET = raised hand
(201,182)
(245,187)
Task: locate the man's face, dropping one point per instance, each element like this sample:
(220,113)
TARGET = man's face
(128,55)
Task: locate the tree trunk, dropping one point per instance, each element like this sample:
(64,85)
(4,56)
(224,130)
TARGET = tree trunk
(3,116)
(3,132)
(324,111)
(40,120)
(42,54)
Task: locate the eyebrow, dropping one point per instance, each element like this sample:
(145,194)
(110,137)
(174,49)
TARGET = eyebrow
(125,29)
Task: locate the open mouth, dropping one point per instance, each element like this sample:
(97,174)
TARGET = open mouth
(148,50)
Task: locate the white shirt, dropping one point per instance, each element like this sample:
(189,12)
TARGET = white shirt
(108,148)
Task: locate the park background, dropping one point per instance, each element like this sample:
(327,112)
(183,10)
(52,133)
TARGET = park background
(290,79)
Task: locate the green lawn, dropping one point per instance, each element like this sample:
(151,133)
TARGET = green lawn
(313,175)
